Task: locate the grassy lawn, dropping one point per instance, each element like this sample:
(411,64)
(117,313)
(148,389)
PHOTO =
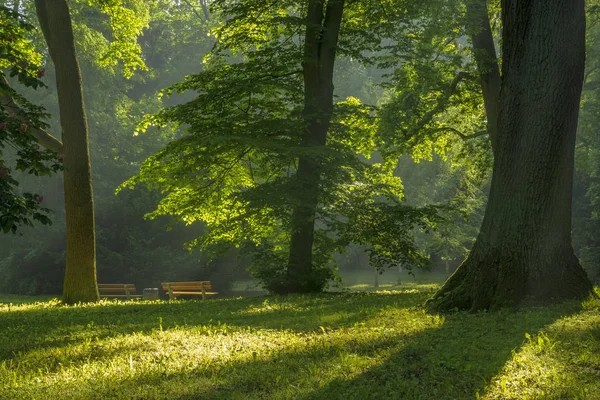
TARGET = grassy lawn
(370,345)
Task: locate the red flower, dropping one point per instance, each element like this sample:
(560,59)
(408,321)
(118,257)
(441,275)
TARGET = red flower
(41,72)
(23,128)
(39,200)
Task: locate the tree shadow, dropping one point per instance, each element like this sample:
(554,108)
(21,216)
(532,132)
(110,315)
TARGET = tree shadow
(453,359)
(269,374)
(39,328)
(456,361)
(563,362)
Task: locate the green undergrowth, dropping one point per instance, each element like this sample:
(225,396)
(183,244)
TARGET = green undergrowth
(377,345)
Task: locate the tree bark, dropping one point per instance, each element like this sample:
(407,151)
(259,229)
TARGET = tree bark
(484,52)
(80,276)
(524,250)
(322,30)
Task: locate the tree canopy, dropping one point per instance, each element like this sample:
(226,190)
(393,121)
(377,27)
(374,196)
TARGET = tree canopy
(212,119)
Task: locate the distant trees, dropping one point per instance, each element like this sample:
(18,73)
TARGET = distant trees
(524,247)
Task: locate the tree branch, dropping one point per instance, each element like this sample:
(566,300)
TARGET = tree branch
(484,51)
(195,11)
(462,135)
(441,103)
(43,138)
(205,9)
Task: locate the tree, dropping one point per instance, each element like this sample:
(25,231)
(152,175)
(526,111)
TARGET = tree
(80,275)
(21,126)
(268,161)
(484,52)
(128,248)
(524,248)
(323,23)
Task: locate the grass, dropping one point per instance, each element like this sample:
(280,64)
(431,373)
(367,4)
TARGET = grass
(23,299)
(354,345)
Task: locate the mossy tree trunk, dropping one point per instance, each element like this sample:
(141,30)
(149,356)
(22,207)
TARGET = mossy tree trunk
(80,276)
(322,29)
(524,248)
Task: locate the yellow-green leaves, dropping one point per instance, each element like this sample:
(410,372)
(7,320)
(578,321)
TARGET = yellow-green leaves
(126,21)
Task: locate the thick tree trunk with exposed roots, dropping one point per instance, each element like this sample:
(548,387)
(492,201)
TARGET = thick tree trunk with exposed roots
(524,248)
(80,276)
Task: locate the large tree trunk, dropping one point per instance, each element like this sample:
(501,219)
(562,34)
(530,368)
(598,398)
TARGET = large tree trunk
(524,248)
(80,276)
(487,63)
(322,30)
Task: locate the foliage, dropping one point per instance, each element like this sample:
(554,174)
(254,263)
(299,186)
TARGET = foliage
(434,113)
(18,149)
(129,248)
(350,345)
(233,163)
(435,98)
(456,182)
(127,20)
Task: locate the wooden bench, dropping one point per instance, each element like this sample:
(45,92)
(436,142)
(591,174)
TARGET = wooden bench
(118,291)
(198,288)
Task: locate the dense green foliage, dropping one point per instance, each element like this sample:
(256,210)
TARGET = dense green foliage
(234,166)
(350,345)
(129,248)
(18,149)
(405,83)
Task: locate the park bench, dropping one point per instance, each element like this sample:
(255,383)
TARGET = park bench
(198,288)
(118,291)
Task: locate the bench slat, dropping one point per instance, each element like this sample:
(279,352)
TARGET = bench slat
(188,283)
(108,290)
(194,293)
(194,288)
(189,288)
(118,291)
(116,284)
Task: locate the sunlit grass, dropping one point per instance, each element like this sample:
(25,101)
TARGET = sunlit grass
(342,345)
(562,361)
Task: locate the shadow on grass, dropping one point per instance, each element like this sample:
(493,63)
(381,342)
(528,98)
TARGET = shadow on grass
(456,361)
(301,364)
(453,359)
(563,362)
(37,328)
